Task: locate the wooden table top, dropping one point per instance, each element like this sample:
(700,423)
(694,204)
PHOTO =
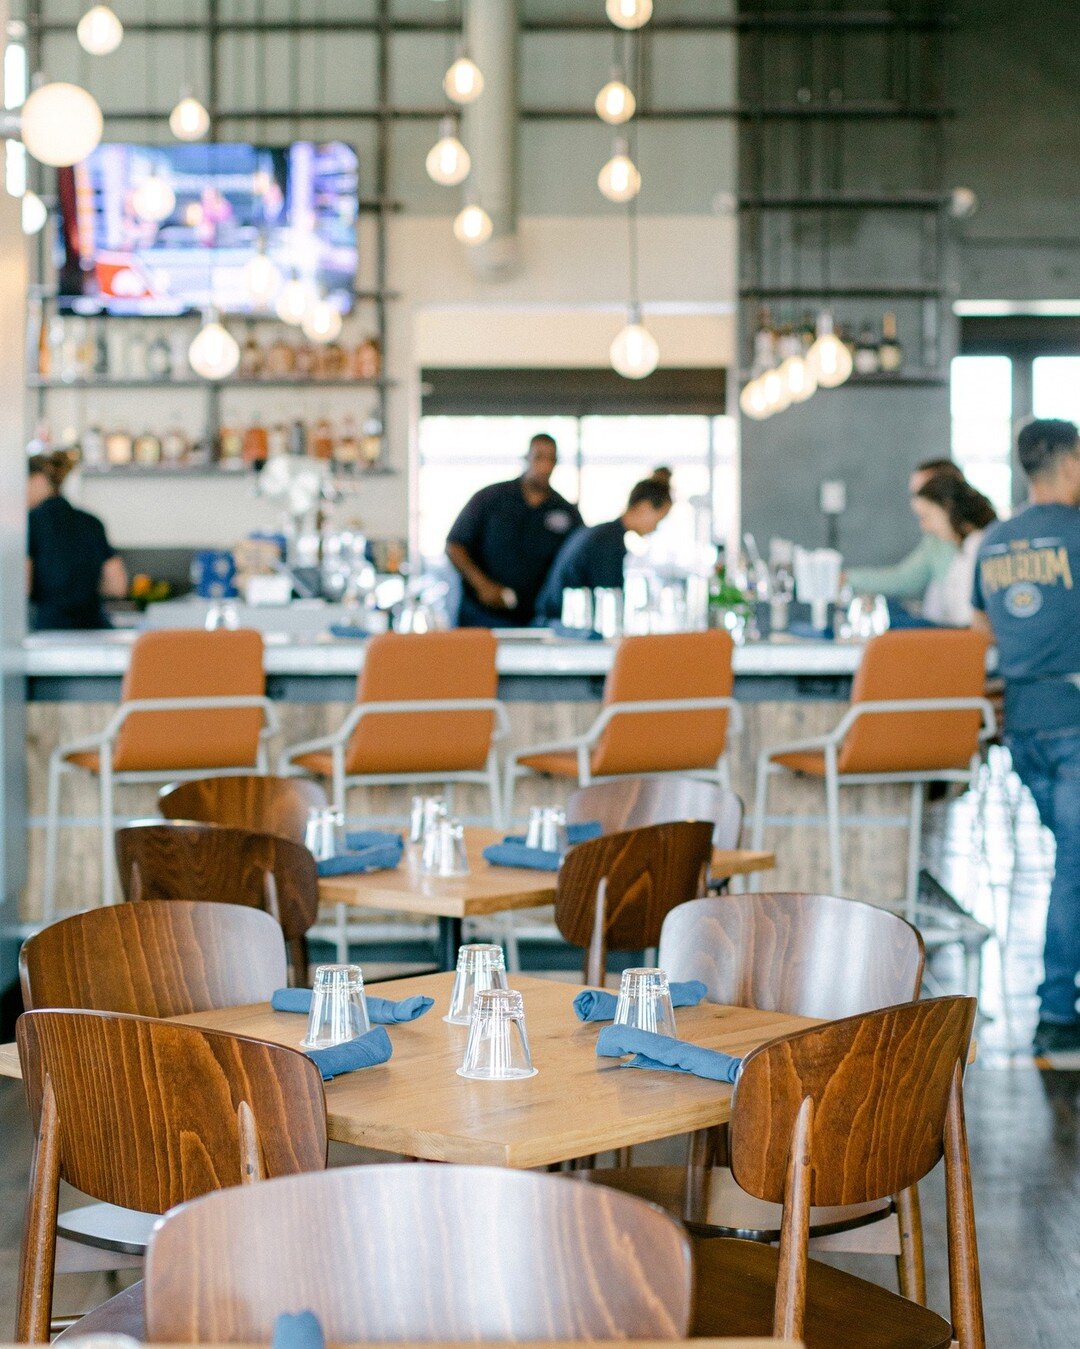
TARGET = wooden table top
(725,1343)
(486,889)
(577,1104)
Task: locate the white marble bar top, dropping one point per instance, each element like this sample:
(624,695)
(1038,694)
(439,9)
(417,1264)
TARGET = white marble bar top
(105,655)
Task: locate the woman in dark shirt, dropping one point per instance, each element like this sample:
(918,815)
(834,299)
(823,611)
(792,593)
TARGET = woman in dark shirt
(70,562)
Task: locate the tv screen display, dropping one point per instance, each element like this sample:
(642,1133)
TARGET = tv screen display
(170,229)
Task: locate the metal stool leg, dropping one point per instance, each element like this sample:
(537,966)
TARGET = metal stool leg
(52,839)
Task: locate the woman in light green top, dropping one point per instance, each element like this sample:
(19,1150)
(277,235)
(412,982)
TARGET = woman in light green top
(929,561)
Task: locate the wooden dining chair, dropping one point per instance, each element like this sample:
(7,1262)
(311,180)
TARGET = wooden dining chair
(188,860)
(805,955)
(146,1114)
(631,803)
(846,1113)
(614,892)
(420,1253)
(259,801)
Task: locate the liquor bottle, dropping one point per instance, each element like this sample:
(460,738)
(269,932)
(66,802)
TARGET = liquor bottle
(367,360)
(101,351)
(807,332)
(231,447)
(174,445)
(85,350)
(147,449)
(138,363)
(867,359)
(764,343)
(280,359)
(44,350)
(347,449)
(278,440)
(93,447)
(179,341)
(256,448)
(321,445)
(298,438)
(890,352)
(251,357)
(371,440)
(304,360)
(159,358)
(118,449)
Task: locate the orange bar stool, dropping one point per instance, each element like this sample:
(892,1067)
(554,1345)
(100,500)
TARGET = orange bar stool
(426,711)
(667,707)
(192,703)
(918,714)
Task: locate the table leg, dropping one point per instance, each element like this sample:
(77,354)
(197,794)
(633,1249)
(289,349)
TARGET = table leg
(448,943)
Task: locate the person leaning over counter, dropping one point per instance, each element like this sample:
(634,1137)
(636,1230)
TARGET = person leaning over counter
(596,556)
(928,562)
(70,562)
(506,538)
(1026,593)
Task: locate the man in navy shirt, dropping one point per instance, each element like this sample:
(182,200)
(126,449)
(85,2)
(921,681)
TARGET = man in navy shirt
(506,538)
(1027,587)
(596,556)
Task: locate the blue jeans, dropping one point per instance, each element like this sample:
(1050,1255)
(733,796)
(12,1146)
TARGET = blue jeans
(1048,763)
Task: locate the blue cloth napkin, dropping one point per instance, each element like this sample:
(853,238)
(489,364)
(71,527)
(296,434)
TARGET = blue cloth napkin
(382,852)
(366,1051)
(575,833)
(348,632)
(381,1011)
(298,1330)
(661,1051)
(595,1004)
(518,855)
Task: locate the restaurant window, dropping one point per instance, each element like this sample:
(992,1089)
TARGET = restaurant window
(1055,387)
(600,459)
(982,415)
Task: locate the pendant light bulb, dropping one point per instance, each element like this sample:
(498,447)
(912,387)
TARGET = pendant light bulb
(34,213)
(799,378)
(629,13)
(829,359)
(322,322)
(61,124)
(448,161)
(619,179)
(294,300)
(189,120)
(262,278)
(473,225)
(615,103)
(774,392)
(154,198)
(463,82)
(214,353)
(752,401)
(99,31)
(635,353)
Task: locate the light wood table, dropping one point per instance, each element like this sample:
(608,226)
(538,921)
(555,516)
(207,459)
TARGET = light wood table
(485,890)
(725,1343)
(577,1104)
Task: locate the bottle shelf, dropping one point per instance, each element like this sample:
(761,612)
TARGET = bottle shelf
(130,472)
(277,382)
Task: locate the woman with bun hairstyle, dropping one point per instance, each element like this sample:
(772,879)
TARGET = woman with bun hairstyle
(70,563)
(949,508)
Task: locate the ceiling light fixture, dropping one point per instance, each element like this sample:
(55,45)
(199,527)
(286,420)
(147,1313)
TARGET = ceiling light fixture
(294,300)
(463,82)
(154,198)
(61,124)
(189,120)
(615,103)
(99,31)
(262,277)
(635,353)
(829,360)
(322,322)
(629,13)
(448,161)
(619,179)
(34,213)
(214,353)
(473,225)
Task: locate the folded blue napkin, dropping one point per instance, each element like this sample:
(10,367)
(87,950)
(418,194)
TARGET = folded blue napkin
(595,1004)
(298,1330)
(348,632)
(356,840)
(575,833)
(366,1051)
(661,1051)
(519,855)
(382,853)
(381,1011)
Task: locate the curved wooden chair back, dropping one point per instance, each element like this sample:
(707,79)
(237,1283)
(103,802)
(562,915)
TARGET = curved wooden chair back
(855,1111)
(186,860)
(807,955)
(156,958)
(614,892)
(632,803)
(146,1114)
(259,801)
(420,1253)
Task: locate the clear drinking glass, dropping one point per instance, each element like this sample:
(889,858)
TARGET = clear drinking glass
(645,1002)
(479,966)
(338,1008)
(547,829)
(577,608)
(425,814)
(444,850)
(498,1047)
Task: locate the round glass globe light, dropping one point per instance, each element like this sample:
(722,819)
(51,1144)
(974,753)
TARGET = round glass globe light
(463,82)
(294,300)
(798,377)
(214,353)
(99,31)
(774,391)
(473,226)
(262,277)
(615,103)
(34,213)
(322,322)
(619,179)
(154,198)
(752,401)
(629,13)
(189,120)
(635,353)
(829,361)
(61,124)
(448,162)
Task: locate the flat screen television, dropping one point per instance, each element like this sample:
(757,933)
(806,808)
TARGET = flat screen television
(122,252)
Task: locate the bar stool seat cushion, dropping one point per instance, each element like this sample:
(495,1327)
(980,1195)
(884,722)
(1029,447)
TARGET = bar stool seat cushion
(810,762)
(735,1292)
(124,1314)
(89,759)
(554,765)
(319,765)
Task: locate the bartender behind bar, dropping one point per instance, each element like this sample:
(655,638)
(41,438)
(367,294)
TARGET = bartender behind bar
(506,538)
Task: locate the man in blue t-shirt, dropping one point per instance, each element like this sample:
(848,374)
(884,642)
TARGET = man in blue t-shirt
(1027,590)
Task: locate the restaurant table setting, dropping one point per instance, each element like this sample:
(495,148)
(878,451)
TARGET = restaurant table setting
(364,849)
(543,847)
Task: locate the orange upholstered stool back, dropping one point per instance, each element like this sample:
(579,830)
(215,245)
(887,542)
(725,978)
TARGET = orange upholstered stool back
(919,663)
(430,666)
(189,663)
(646,669)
